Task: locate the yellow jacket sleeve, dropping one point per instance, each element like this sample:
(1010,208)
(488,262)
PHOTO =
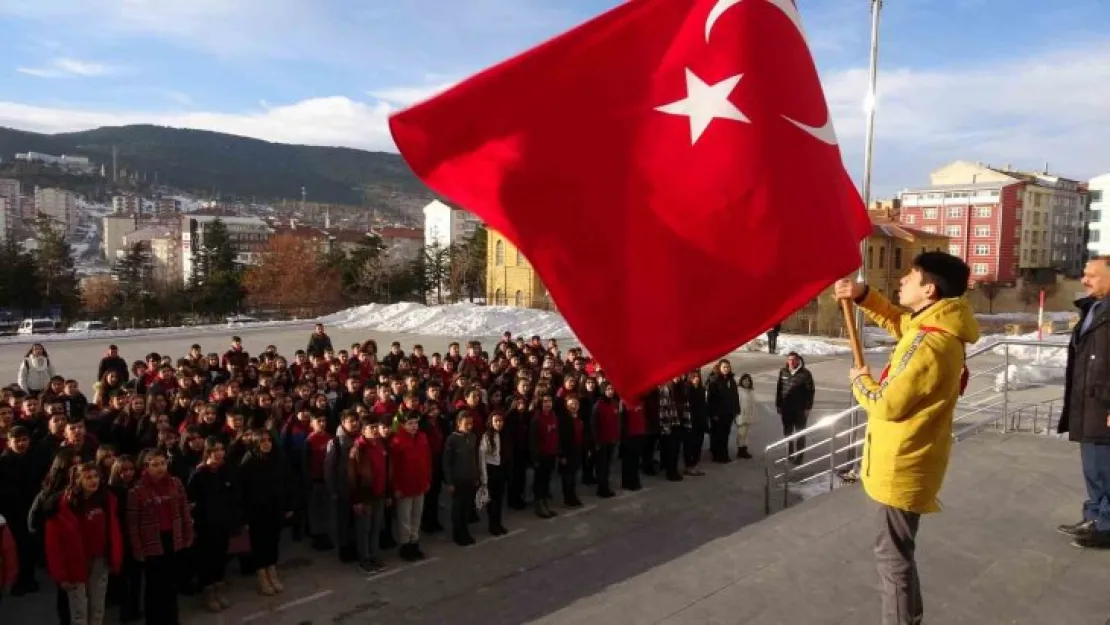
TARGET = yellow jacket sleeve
(907,383)
(881,311)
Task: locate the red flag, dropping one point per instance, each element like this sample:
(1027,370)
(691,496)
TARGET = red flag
(669,169)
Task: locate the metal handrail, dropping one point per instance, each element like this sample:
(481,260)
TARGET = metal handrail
(836,429)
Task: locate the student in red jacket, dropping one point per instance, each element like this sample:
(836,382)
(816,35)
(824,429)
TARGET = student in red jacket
(319,502)
(9,557)
(606,426)
(84,544)
(159,524)
(368,487)
(545,453)
(411,467)
(633,435)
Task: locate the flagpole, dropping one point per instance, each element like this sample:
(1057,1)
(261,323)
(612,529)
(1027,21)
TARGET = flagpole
(868,151)
(868,148)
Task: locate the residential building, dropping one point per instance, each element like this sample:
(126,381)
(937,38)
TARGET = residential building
(9,187)
(1098,241)
(78,164)
(891,248)
(248,236)
(167,205)
(165,257)
(126,205)
(113,228)
(402,245)
(7,216)
(445,225)
(60,206)
(1006,224)
(510,278)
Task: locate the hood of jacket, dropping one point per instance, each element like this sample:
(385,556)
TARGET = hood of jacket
(952,316)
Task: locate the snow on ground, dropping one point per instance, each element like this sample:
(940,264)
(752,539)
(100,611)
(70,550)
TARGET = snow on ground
(463,319)
(454,320)
(1025,316)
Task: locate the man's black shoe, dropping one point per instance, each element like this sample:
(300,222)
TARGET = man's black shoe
(1081,528)
(1093,540)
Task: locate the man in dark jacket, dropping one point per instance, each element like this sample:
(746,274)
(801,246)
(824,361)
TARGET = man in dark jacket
(236,357)
(1086,413)
(113,362)
(319,342)
(794,400)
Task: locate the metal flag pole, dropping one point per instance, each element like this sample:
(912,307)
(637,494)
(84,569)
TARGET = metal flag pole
(868,152)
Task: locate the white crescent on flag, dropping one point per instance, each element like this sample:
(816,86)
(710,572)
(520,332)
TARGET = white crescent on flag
(825,133)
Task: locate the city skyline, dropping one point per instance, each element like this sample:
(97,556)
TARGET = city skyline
(985,80)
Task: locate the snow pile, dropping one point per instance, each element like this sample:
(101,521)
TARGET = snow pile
(1029,375)
(463,319)
(1026,316)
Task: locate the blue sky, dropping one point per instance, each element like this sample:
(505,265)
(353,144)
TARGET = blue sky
(1018,81)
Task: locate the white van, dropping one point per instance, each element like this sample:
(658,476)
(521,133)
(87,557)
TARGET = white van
(87,326)
(39,326)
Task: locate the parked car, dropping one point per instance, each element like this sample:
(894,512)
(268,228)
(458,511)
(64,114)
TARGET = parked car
(39,326)
(240,319)
(86,326)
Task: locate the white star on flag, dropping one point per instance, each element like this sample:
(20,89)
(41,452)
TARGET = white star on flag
(704,103)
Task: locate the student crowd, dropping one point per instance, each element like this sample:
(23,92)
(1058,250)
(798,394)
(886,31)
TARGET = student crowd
(177,466)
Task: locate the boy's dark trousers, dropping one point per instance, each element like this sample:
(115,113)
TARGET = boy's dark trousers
(647,453)
(631,448)
(541,479)
(692,446)
(670,449)
(518,478)
(26,548)
(429,518)
(568,474)
(589,466)
(385,536)
(495,483)
(125,589)
(719,427)
(462,506)
(603,460)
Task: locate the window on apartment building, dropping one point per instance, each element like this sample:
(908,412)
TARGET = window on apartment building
(955,211)
(983,211)
(979,269)
(982,250)
(1096,195)
(1024,255)
(929,213)
(954,250)
(1094,237)
(1037,218)
(1036,200)
(897,258)
(499,298)
(518,299)
(882,257)
(1094,216)
(982,231)
(1044,256)
(953,231)
(870,257)
(499,254)
(930,229)
(909,219)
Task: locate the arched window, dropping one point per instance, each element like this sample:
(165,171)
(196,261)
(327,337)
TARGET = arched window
(870,257)
(499,253)
(519,298)
(882,257)
(519,258)
(498,297)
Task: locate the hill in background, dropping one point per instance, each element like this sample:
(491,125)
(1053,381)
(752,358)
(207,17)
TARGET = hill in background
(210,164)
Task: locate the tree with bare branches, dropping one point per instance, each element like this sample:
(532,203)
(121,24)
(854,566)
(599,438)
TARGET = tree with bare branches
(291,275)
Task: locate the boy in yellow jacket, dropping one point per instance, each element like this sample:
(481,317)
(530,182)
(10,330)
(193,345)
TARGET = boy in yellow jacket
(910,409)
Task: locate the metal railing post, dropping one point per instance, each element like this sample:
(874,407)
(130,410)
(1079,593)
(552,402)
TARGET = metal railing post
(1005,385)
(832,457)
(766,488)
(786,481)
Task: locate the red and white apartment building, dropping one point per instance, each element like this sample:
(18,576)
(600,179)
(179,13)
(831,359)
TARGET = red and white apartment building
(1006,224)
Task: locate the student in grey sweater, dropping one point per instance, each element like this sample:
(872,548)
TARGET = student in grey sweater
(335,478)
(460,472)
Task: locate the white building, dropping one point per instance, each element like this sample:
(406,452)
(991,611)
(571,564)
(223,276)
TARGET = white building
(126,205)
(69,162)
(1098,243)
(446,226)
(248,236)
(60,206)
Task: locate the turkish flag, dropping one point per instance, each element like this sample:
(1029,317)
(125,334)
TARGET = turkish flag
(667,168)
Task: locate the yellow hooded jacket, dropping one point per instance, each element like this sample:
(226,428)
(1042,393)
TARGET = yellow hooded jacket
(909,427)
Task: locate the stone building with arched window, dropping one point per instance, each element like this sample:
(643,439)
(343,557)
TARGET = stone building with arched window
(510,278)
